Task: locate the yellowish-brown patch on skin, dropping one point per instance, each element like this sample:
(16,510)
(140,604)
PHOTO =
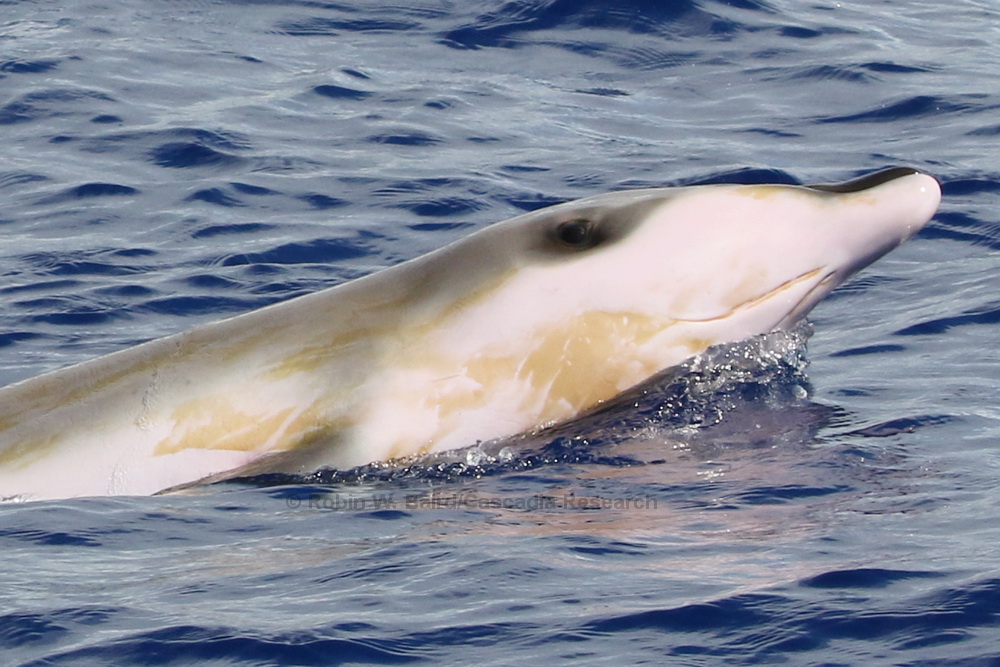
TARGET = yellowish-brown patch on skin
(42,398)
(572,366)
(310,358)
(694,345)
(27,452)
(590,360)
(38,400)
(763,192)
(215,423)
(402,450)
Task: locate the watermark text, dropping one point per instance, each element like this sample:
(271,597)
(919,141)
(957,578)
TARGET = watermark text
(465,500)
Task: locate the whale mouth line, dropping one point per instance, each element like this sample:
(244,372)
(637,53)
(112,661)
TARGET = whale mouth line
(809,300)
(793,314)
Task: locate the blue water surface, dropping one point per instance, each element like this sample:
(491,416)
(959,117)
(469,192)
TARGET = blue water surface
(166,164)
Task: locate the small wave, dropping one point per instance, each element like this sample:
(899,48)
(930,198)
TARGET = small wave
(852,73)
(440,207)
(971,185)
(203,645)
(12,179)
(913,107)
(214,196)
(868,349)
(318,251)
(316,26)
(28,66)
(89,191)
(503,27)
(901,425)
(865,578)
(406,138)
(180,155)
(960,226)
(322,202)
(983,315)
(200,304)
(235,228)
(50,102)
(341,92)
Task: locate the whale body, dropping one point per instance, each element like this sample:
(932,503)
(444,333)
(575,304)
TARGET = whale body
(521,325)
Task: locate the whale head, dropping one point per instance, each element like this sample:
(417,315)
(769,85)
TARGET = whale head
(737,259)
(551,313)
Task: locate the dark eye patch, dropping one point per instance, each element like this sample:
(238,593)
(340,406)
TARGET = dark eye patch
(578,230)
(576,233)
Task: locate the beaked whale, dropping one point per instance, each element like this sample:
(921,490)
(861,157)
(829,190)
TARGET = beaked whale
(524,324)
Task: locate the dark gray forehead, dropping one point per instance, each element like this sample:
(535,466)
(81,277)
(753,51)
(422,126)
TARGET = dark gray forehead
(611,217)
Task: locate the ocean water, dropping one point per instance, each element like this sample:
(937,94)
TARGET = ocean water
(826,502)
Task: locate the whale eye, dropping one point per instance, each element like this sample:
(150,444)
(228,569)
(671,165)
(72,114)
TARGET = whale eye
(575,233)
